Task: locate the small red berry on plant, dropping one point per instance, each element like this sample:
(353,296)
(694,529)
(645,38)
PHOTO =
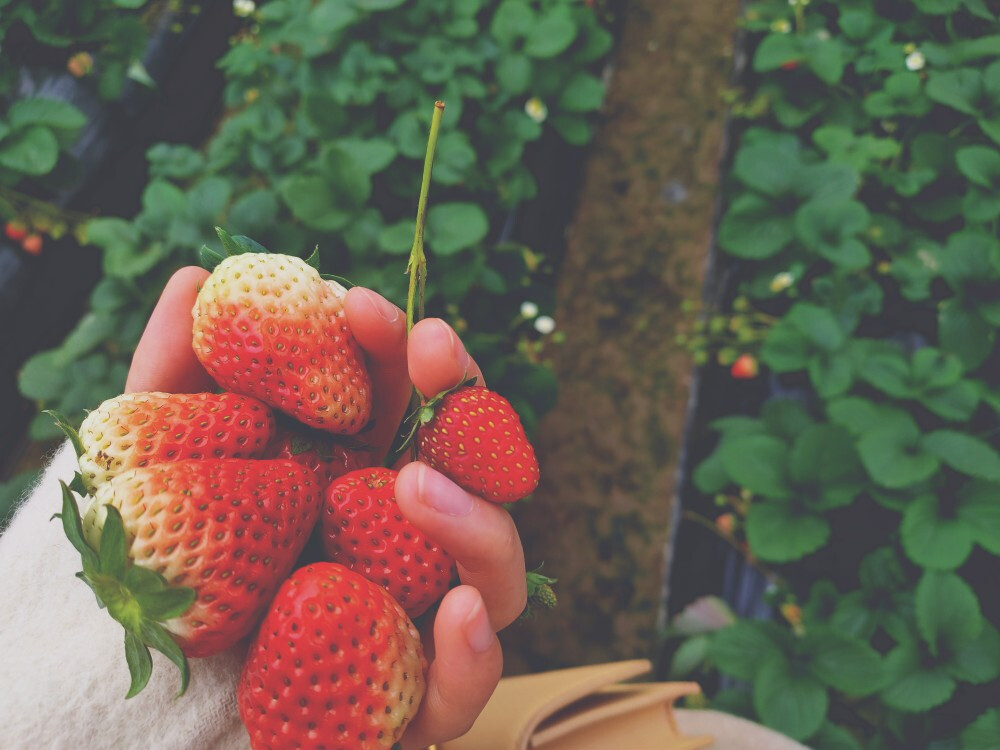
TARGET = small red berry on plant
(745,367)
(16,230)
(790,65)
(80,64)
(32,244)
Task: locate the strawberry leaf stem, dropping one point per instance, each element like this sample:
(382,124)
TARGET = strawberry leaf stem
(417,265)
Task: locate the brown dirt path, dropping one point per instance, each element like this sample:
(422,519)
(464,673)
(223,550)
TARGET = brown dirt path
(636,248)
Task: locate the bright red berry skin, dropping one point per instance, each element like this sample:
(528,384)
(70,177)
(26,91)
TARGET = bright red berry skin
(475,438)
(745,367)
(328,458)
(230,529)
(142,429)
(336,665)
(15,230)
(268,326)
(363,529)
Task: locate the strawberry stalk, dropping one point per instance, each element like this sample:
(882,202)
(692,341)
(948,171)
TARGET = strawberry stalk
(138,598)
(417,265)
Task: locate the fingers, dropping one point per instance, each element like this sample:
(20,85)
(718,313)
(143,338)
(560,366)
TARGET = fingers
(465,671)
(380,328)
(480,535)
(437,358)
(164,359)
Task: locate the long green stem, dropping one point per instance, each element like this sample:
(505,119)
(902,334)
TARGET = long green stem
(417,266)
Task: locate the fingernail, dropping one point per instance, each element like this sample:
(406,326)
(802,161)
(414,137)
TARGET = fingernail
(442,495)
(385,309)
(478,631)
(457,349)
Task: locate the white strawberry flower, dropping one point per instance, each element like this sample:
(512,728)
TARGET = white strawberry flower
(244,8)
(529,310)
(535,109)
(545,325)
(915,61)
(782,281)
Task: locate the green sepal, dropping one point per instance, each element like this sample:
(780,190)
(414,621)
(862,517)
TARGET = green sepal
(209,258)
(112,553)
(238,244)
(136,597)
(77,484)
(73,527)
(313,259)
(140,665)
(540,593)
(154,635)
(300,445)
(63,424)
(424,413)
(346,283)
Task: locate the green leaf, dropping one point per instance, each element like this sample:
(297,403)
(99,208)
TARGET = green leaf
(788,700)
(397,239)
(818,324)
(932,539)
(947,611)
(781,532)
(964,453)
(254,212)
(822,454)
(513,20)
(828,229)
(583,93)
(551,33)
(370,154)
(980,164)
(978,661)
(984,732)
(979,508)
(775,50)
(757,462)
(893,456)
(841,661)
(960,89)
(377,5)
(832,737)
(331,16)
(312,201)
(52,113)
(909,685)
(140,665)
(964,333)
(742,648)
(455,226)
(514,73)
(112,553)
(689,656)
(32,151)
(751,229)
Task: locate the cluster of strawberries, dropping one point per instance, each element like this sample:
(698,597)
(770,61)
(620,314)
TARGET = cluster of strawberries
(198,507)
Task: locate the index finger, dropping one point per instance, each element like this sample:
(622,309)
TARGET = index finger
(164,360)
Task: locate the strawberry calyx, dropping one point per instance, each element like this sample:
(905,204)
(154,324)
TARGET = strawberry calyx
(138,598)
(424,413)
(64,424)
(239,244)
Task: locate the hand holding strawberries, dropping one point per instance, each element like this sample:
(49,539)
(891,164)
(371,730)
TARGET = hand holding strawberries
(461,645)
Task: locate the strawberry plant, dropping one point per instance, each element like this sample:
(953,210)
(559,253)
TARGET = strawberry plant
(861,224)
(322,143)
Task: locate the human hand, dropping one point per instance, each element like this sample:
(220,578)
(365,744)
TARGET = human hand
(461,643)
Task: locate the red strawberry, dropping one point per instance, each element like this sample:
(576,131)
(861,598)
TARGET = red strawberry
(270,327)
(363,529)
(141,429)
(336,664)
(745,367)
(790,65)
(328,458)
(32,244)
(473,436)
(190,553)
(15,230)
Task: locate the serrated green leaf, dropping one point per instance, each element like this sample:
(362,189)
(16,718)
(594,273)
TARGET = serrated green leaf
(788,700)
(932,539)
(841,661)
(742,648)
(964,453)
(757,462)
(947,611)
(782,532)
(455,226)
(984,732)
(912,687)
(32,151)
